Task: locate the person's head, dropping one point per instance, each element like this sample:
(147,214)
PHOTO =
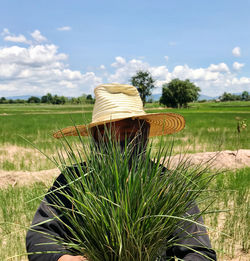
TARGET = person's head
(119,107)
(128,132)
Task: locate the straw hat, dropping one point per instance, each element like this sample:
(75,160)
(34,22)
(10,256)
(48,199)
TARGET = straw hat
(116,102)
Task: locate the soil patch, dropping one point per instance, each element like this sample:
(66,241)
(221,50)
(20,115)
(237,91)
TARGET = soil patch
(22,178)
(227,159)
(224,160)
(240,256)
(19,158)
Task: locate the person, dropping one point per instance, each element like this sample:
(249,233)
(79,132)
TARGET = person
(118,107)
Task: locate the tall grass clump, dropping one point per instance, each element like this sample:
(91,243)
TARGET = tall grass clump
(15,216)
(231,191)
(121,203)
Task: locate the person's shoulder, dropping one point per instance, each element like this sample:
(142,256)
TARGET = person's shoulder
(74,170)
(161,166)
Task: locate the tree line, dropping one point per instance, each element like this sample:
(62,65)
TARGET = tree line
(244,96)
(175,94)
(51,99)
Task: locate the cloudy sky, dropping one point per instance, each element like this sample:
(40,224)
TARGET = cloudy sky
(69,47)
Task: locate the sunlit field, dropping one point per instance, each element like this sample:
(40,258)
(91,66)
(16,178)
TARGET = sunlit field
(209,127)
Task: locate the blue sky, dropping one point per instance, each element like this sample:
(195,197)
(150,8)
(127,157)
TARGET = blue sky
(69,47)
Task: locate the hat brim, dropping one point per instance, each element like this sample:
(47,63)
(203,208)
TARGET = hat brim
(160,124)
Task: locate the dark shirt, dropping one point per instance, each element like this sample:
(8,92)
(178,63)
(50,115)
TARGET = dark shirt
(45,227)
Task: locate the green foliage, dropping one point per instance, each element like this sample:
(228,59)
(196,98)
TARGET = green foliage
(15,218)
(34,99)
(177,93)
(234,97)
(231,191)
(3,100)
(52,99)
(229,97)
(58,100)
(241,124)
(245,96)
(125,205)
(89,97)
(48,98)
(144,83)
(209,126)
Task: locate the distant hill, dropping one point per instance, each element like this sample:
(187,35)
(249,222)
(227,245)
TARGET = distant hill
(205,97)
(23,97)
(26,97)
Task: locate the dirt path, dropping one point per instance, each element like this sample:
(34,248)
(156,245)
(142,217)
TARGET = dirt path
(22,178)
(226,159)
(219,160)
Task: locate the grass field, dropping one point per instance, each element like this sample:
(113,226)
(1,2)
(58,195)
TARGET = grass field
(209,127)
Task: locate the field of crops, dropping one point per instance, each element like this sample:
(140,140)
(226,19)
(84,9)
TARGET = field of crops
(209,127)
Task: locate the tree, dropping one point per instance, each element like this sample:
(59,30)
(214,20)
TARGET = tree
(20,101)
(230,97)
(48,98)
(58,99)
(245,96)
(44,99)
(178,93)
(34,99)
(144,83)
(89,99)
(3,100)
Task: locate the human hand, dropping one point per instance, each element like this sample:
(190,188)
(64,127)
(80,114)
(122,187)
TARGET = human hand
(72,258)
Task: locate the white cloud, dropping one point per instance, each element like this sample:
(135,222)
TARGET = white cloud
(38,69)
(33,56)
(236,51)
(67,84)
(9,37)
(16,39)
(64,28)
(119,61)
(237,66)
(36,35)
(221,67)
(213,80)
(124,70)
(242,81)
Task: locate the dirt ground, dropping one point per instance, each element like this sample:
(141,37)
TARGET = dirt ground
(219,160)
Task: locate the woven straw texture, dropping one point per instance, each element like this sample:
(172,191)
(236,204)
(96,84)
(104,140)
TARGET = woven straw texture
(116,102)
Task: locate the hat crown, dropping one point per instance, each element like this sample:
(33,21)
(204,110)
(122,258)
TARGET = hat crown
(115,101)
(119,101)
